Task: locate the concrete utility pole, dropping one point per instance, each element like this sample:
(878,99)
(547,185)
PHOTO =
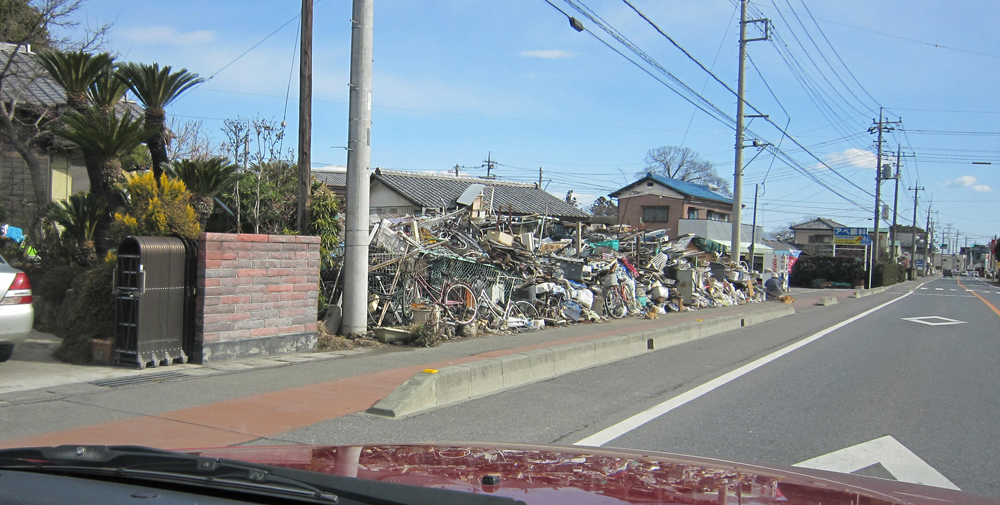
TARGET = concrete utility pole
(539,176)
(913,242)
(490,165)
(734,254)
(880,127)
(305,118)
(359,136)
(895,208)
(930,238)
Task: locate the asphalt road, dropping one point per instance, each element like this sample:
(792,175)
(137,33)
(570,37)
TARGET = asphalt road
(929,384)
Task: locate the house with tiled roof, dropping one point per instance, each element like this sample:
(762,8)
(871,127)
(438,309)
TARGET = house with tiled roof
(397,193)
(34,92)
(655,202)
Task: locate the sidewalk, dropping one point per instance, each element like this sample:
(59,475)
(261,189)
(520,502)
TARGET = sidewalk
(240,401)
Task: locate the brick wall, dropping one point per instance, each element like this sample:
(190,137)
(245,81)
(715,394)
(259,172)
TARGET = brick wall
(256,295)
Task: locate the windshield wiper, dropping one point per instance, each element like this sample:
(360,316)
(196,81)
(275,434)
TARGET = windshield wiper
(175,467)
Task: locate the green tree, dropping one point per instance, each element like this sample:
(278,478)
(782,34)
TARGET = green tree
(156,88)
(79,216)
(75,71)
(106,140)
(204,179)
(603,206)
(20,25)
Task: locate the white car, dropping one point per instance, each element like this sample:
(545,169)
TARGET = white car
(17,316)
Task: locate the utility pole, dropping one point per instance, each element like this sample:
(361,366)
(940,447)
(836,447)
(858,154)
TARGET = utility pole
(456,169)
(359,140)
(895,205)
(881,127)
(490,165)
(930,238)
(913,242)
(539,177)
(734,254)
(305,118)
(753,227)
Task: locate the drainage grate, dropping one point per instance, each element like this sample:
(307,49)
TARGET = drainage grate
(136,380)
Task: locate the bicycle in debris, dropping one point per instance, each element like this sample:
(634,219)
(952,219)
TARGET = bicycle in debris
(497,316)
(388,303)
(455,298)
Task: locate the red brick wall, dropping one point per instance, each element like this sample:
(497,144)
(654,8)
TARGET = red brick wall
(254,286)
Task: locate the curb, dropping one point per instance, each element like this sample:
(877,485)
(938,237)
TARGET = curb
(453,384)
(861,293)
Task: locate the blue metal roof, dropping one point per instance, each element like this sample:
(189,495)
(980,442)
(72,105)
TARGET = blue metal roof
(683,187)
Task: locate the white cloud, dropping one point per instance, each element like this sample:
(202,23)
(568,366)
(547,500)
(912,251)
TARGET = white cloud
(968,181)
(854,157)
(168,35)
(547,54)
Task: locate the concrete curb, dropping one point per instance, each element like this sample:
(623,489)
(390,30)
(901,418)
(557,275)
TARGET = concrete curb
(861,293)
(458,383)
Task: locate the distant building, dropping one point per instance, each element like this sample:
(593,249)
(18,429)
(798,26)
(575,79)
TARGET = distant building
(815,237)
(398,193)
(655,202)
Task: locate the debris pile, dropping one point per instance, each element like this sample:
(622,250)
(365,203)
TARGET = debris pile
(516,273)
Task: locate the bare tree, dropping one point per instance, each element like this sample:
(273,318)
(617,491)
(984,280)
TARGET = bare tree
(188,142)
(684,164)
(24,120)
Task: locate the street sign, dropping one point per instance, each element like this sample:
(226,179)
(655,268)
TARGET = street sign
(843,235)
(919,263)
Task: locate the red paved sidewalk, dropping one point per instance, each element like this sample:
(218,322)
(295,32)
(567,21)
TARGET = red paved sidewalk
(268,414)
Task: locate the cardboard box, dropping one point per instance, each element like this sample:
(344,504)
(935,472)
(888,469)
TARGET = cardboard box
(500,237)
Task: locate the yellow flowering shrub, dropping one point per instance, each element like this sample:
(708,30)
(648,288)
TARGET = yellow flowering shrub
(153,210)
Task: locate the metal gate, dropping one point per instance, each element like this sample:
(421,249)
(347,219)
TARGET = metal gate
(155,287)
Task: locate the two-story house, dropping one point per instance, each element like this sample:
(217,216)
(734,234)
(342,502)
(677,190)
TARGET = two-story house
(655,202)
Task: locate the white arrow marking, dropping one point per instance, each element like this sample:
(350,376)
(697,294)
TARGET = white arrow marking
(896,458)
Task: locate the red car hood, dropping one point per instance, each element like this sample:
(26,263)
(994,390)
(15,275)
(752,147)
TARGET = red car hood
(578,475)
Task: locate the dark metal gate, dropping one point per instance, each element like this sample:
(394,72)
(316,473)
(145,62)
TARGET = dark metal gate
(155,287)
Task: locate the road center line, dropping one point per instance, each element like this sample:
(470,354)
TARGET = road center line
(612,432)
(990,305)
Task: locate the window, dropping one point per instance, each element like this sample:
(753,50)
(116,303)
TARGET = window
(820,239)
(717,216)
(654,214)
(692,213)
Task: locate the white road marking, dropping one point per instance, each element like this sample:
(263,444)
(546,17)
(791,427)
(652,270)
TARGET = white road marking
(933,320)
(923,288)
(901,462)
(953,289)
(939,289)
(612,432)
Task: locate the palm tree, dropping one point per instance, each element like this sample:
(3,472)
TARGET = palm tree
(204,179)
(104,140)
(107,139)
(79,216)
(75,71)
(106,91)
(156,88)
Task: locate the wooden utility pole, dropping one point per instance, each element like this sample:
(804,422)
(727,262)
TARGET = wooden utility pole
(305,118)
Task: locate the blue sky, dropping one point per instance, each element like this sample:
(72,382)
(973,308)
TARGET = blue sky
(456,80)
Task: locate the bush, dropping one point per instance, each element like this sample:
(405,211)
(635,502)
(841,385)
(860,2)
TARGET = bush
(887,274)
(50,289)
(807,269)
(92,313)
(157,211)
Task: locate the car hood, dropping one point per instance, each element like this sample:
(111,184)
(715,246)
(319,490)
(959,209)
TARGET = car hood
(582,475)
